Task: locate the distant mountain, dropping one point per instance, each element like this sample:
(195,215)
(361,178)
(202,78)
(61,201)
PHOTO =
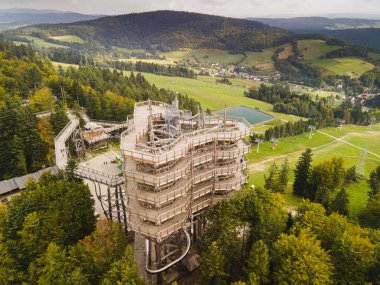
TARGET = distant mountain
(362,37)
(311,24)
(170,30)
(13,18)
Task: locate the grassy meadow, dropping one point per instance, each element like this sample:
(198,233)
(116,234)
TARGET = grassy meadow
(68,39)
(324,148)
(38,42)
(352,66)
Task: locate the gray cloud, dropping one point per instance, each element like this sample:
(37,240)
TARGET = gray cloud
(236,8)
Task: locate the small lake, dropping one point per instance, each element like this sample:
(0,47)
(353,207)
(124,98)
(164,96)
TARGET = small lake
(251,115)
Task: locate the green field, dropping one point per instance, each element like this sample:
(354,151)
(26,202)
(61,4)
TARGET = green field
(314,49)
(373,55)
(212,95)
(39,42)
(261,59)
(68,39)
(324,148)
(155,61)
(198,55)
(351,66)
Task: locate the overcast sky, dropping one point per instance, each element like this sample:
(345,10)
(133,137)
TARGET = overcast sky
(235,8)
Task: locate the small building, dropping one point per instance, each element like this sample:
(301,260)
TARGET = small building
(95,137)
(13,186)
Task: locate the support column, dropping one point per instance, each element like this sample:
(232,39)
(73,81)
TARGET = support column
(109,204)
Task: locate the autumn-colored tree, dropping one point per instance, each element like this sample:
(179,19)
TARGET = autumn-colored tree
(123,271)
(42,100)
(106,244)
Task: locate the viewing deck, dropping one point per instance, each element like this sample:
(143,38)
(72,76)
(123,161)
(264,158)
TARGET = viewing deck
(177,165)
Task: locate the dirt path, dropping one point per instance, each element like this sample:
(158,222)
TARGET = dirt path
(261,166)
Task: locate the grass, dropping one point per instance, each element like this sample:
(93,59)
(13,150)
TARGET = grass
(261,59)
(212,95)
(373,55)
(324,148)
(198,55)
(352,66)
(155,61)
(68,39)
(64,65)
(314,49)
(288,51)
(40,42)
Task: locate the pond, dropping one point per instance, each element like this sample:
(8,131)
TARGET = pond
(251,115)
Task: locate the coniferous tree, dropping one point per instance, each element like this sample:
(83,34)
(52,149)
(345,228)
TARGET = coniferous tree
(370,215)
(340,203)
(58,118)
(271,180)
(283,177)
(302,173)
(374,182)
(212,266)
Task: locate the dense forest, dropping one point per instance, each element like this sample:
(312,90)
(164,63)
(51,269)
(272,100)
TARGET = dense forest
(288,102)
(254,240)
(29,85)
(170,30)
(49,235)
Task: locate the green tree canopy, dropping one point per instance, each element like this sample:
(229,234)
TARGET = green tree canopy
(301,260)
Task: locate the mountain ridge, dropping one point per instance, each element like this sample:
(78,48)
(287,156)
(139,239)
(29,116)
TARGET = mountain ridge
(169,30)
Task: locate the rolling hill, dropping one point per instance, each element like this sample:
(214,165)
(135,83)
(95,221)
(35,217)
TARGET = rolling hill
(363,37)
(13,18)
(363,32)
(312,24)
(171,30)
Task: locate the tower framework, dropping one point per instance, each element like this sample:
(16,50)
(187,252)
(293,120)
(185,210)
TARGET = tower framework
(176,165)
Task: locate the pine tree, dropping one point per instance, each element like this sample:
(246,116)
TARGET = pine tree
(271,180)
(302,173)
(374,182)
(340,203)
(58,118)
(283,177)
(212,266)
(70,170)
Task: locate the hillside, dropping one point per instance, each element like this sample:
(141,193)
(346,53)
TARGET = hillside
(13,18)
(364,37)
(170,30)
(311,24)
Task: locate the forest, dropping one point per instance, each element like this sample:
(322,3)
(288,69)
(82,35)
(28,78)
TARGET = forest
(170,30)
(255,239)
(321,113)
(49,235)
(30,85)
